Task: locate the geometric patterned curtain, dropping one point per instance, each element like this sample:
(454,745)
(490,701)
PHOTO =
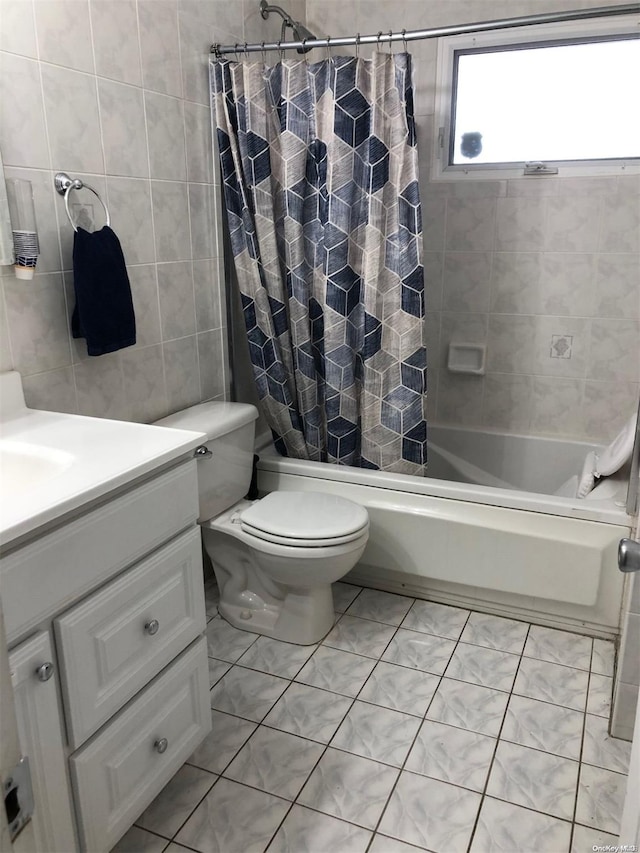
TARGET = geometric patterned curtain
(320,173)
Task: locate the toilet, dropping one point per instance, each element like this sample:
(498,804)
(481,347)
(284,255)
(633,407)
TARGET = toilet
(274,558)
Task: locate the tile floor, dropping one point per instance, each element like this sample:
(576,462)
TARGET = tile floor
(412,726)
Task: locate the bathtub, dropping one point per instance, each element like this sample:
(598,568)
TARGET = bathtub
(493,528)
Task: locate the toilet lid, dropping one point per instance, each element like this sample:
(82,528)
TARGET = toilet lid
(309,516)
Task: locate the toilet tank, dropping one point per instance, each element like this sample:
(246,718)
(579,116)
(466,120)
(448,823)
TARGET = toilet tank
(224,477)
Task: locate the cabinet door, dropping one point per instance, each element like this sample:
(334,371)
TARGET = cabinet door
(41,739)
(10,751)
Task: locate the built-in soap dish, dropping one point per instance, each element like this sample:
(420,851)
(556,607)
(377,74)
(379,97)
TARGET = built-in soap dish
(467,358)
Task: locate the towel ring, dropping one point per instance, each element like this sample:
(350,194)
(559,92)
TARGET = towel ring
(64,185)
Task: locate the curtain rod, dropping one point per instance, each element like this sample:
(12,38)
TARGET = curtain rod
(438,32)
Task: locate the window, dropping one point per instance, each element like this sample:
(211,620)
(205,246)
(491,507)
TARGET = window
(539,100)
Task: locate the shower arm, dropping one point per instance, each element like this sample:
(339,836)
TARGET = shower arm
(266,9)
(299,30)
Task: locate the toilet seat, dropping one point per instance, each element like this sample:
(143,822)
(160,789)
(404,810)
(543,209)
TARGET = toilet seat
(304,543)
(305,519)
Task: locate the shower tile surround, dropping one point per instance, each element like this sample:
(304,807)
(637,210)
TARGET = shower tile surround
(322,748)
(558,313)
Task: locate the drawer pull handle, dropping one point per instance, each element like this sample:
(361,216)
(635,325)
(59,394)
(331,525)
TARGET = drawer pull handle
(151,627)
(45,671)
(161,745)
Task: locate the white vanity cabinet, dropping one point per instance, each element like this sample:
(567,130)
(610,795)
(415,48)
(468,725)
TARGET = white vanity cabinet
(114,600)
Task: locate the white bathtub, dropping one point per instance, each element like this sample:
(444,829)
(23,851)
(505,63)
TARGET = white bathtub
(488,533)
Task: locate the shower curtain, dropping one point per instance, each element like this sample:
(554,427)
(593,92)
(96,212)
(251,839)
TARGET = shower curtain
(320,175)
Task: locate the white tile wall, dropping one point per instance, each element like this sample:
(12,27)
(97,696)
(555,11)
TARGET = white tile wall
(116,92)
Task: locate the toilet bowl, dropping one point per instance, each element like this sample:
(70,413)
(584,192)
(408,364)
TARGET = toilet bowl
(274,558)
(279,588)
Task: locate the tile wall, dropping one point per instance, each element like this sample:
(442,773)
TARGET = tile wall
(116,92)
(544,271)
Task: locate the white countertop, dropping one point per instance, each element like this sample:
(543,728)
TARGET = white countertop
(52,463)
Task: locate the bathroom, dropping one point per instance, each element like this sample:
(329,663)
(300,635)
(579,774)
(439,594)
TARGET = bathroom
(116,93)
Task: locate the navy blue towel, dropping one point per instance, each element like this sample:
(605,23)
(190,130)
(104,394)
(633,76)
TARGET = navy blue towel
(104,308)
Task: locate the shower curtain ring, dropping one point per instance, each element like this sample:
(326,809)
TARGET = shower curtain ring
(264,54)
(280,50)
(390,36)
(357,45)
(404,40)
(245,51)
(235,52)
(329,57)
(305,50)
(379,37)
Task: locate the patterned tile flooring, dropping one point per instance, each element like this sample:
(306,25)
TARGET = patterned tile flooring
(412,726)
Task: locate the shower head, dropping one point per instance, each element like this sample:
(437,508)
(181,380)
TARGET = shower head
(300,32)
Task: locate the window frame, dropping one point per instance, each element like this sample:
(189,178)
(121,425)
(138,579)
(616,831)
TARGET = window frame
(519,38)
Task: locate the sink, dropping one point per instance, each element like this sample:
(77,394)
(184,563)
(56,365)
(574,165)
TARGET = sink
(53,463)
(24,467)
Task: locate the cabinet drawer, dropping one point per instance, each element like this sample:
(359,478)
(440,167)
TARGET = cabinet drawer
(117,774)
(46,576)
(117,640)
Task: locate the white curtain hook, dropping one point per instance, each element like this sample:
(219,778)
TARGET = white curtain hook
(390,34)
(329,57)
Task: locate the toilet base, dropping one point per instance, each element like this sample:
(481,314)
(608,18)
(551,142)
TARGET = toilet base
(303,617)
